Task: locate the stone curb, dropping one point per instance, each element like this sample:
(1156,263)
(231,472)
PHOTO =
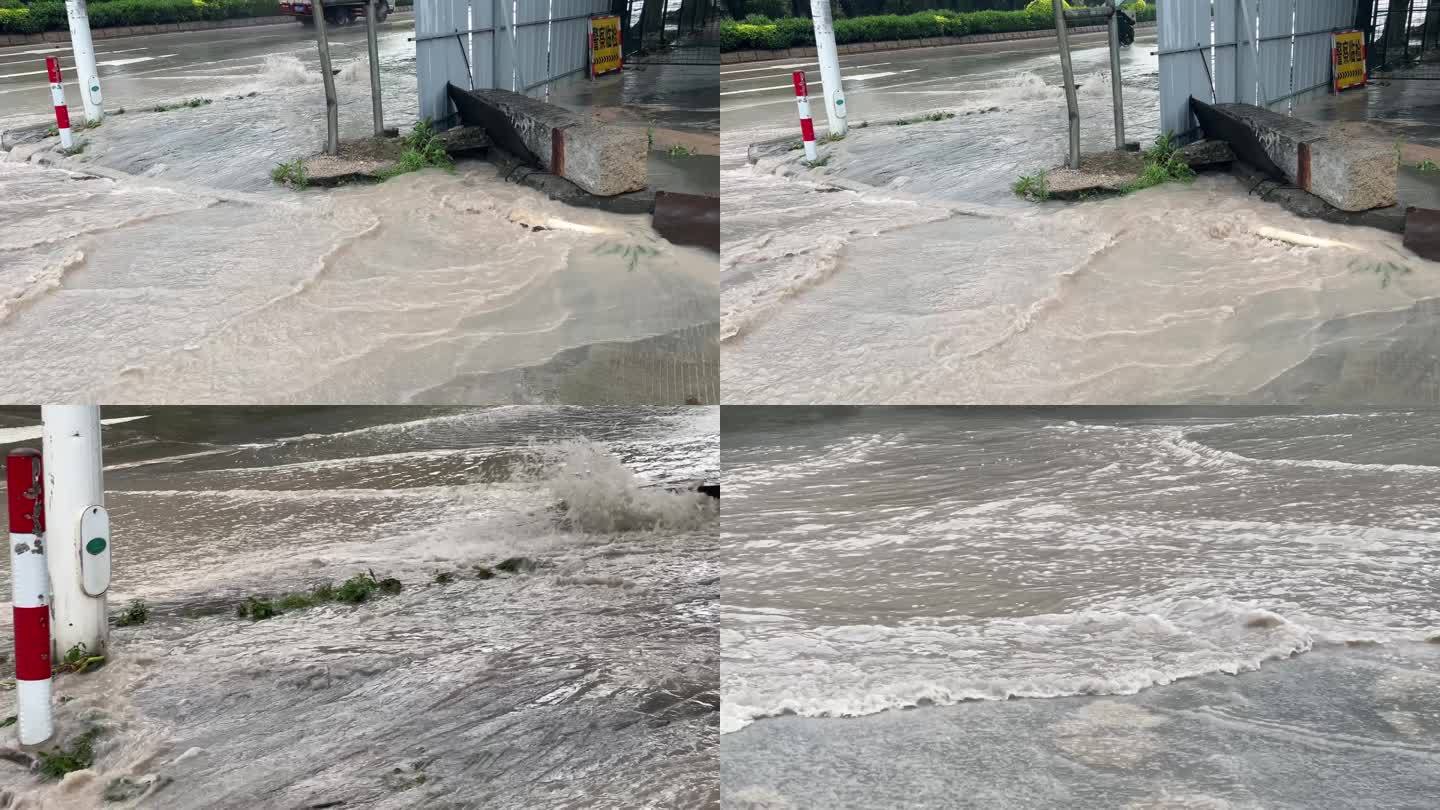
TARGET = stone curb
(165,28)
(734,57)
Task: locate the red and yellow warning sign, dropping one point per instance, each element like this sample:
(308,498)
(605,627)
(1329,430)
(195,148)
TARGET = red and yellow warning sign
(1349,59)
(604,44)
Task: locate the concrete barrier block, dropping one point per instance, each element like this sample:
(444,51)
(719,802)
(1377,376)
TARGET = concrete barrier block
(601,158)
(1350,171)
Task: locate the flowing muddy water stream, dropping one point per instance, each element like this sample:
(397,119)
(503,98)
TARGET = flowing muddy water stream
(906,271)
(1050,608)
(192,278)
(589,679)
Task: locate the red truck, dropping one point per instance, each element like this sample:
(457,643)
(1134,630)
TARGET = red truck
(337,12)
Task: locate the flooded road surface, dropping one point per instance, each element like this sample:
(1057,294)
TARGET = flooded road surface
(586,678)
(1077,608)
(906,271)
(193,278)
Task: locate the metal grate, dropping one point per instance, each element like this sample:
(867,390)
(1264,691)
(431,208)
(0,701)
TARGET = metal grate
(673,32)
(1403,39)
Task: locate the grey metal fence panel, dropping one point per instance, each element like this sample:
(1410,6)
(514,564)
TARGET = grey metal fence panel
(570,37)
(482,59)
(440,55)
(1184,41)
(1228,35)
(532,44)
(1276,47)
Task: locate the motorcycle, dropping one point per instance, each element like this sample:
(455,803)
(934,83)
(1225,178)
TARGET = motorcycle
(1127,29)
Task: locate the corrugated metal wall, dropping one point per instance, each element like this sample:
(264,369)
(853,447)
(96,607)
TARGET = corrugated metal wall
(519,45)
(439,54)
(1214,56)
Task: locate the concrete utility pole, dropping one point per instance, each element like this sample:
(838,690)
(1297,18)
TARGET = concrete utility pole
(332,105)
(1115,89)
(1073,103)
(829,57)
(76,527)
(85,71)
(370,24)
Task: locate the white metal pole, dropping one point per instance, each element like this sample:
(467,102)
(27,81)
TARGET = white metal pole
(85,70)
(74,487)
(835,110)
(30,596)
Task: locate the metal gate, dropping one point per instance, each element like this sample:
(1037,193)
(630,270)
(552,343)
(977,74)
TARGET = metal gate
(1265,52)
(519,45)
(1398,35)
(677,32)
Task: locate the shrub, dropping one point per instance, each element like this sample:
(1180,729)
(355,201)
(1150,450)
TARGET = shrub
(49,15)
(772,34)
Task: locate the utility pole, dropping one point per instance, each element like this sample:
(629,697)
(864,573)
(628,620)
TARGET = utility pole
(1063,35)
(829,57)
(1115,89)
(84,50)
(370,24)
(77,528)
(332,105)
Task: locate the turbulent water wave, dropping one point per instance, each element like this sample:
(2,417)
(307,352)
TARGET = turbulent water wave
(937,557)
(842,671)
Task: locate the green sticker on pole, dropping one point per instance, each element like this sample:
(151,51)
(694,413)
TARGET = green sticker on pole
(95,561)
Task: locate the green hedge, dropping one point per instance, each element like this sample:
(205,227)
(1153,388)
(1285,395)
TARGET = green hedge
(49,15)
(762,33)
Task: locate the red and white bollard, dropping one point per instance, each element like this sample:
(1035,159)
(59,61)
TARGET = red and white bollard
(57,95)
(30,594)
(807,126)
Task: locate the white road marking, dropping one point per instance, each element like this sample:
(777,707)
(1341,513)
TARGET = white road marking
(66,58)
(862,77)
(786,75)
(770,67)
(108,63)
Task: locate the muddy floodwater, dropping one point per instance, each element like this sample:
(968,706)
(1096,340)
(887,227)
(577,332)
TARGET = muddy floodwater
(584,674)
(170,268)
(906,271)
(1083,608)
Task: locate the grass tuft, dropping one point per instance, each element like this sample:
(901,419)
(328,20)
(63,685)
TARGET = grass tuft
(423,150)
(189,104)
(137,612)
(1032,187)
(77,660)
(78,756)
(678,151)
(291,174)
(353,591)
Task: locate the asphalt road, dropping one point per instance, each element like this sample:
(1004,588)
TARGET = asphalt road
(886,83)
(140,69)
